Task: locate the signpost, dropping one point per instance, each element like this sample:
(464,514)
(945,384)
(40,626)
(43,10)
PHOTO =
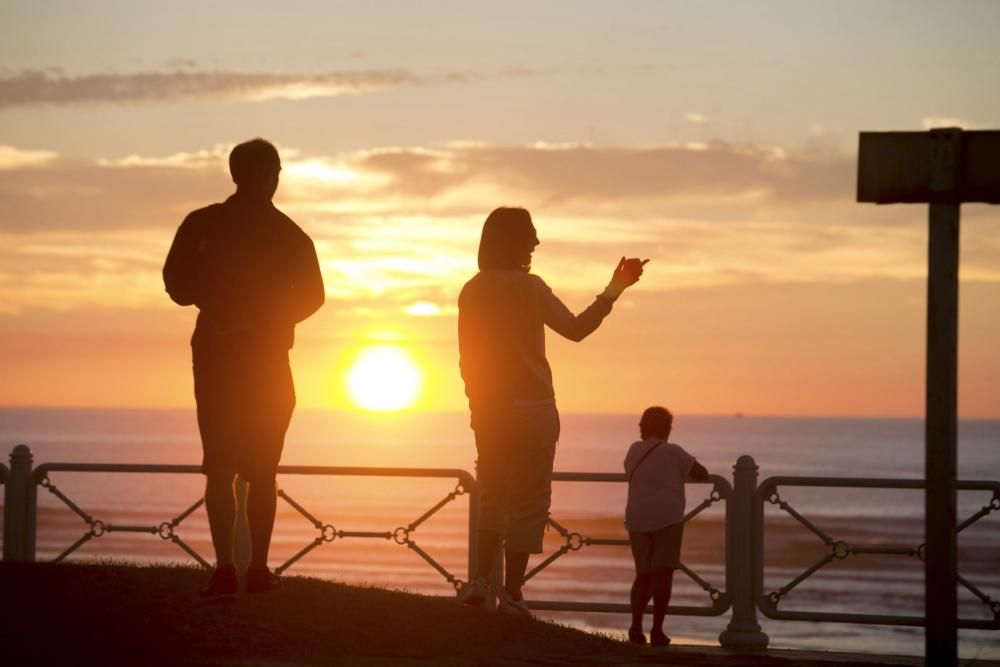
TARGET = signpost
(943,168)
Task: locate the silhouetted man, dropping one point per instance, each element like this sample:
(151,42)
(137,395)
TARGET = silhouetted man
(253,275)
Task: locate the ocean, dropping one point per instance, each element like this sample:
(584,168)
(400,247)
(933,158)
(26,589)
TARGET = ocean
(834,447)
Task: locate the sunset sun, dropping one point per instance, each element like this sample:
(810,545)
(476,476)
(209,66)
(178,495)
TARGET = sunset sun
(384,378)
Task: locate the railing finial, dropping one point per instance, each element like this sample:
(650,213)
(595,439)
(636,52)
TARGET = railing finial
(20,495)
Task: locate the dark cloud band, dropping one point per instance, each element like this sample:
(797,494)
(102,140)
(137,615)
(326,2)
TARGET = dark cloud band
(48,87)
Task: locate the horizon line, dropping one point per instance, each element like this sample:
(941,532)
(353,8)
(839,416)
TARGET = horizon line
(400,413)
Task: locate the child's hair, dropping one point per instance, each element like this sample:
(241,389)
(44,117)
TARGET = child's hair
(656,422)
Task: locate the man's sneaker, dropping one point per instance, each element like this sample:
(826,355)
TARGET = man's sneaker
(635,636)
(262,580)
(512,607)
(223,584)
(476,592)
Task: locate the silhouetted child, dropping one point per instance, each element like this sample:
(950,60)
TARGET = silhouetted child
(656,472)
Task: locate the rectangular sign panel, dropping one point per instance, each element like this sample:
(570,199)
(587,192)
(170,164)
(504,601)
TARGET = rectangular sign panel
(897,167)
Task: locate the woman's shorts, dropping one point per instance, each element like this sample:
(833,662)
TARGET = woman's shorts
(516,448)
(658,550)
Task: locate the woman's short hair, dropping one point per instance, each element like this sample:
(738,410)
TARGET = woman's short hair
(504,234)
(656,422)
(252,160)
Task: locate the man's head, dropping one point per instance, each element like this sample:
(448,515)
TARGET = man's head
(254,166)
(508,240)
(656,422)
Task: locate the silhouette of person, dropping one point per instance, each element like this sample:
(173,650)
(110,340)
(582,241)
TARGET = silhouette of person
(654,515)
(253,274)
(502,314)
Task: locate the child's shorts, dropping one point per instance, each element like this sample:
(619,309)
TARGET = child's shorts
(658,550)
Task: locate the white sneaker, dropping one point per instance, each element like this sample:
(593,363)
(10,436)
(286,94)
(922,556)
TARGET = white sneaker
(512,607)
(476,592)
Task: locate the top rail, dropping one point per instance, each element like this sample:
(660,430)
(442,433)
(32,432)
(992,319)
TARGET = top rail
(721,484)
(463,476)
(866,483)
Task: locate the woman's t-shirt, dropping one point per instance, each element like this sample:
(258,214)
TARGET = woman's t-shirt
(656,490)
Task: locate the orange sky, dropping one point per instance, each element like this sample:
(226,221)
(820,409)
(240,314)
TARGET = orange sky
(770,291)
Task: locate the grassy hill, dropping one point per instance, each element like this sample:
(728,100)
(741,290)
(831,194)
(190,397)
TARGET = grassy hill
(69,614)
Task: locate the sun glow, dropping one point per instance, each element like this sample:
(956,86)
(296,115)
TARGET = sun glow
(384,378)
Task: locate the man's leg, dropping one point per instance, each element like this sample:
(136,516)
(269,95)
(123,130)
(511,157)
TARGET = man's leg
(274,401)
(220,504)
(262,500)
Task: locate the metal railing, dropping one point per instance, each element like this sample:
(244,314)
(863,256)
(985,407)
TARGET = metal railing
(401,535)
(4,471)
(97,528)
(839,550)
(574,541)
(744,535)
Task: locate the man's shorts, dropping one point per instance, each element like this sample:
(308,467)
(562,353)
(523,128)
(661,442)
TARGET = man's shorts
(657,550)
(516,448)
(245,402)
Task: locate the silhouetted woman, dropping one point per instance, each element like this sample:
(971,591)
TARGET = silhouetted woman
(502,314)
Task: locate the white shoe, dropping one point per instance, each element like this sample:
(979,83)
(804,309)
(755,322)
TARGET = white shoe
(476,592)
(512,607)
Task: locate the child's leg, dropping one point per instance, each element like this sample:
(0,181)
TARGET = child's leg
(642,590)
(662,586)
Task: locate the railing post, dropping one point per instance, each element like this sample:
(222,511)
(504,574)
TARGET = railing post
(241,532)
(473,493)
(744,544)
(20,499)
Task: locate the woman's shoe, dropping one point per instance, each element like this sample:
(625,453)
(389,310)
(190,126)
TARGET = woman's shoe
(476,592)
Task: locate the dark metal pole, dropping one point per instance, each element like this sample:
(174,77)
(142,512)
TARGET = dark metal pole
(941,435)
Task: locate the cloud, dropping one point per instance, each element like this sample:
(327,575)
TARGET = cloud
(212,157)
(557,174)
(695,117)
(70,270)
(396,227)
(184,82)
(15,158)
(77,196)
(44,87)
(35,87)
(931,122)
(706,180)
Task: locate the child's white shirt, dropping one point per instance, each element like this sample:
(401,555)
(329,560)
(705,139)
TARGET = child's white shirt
(656,490)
